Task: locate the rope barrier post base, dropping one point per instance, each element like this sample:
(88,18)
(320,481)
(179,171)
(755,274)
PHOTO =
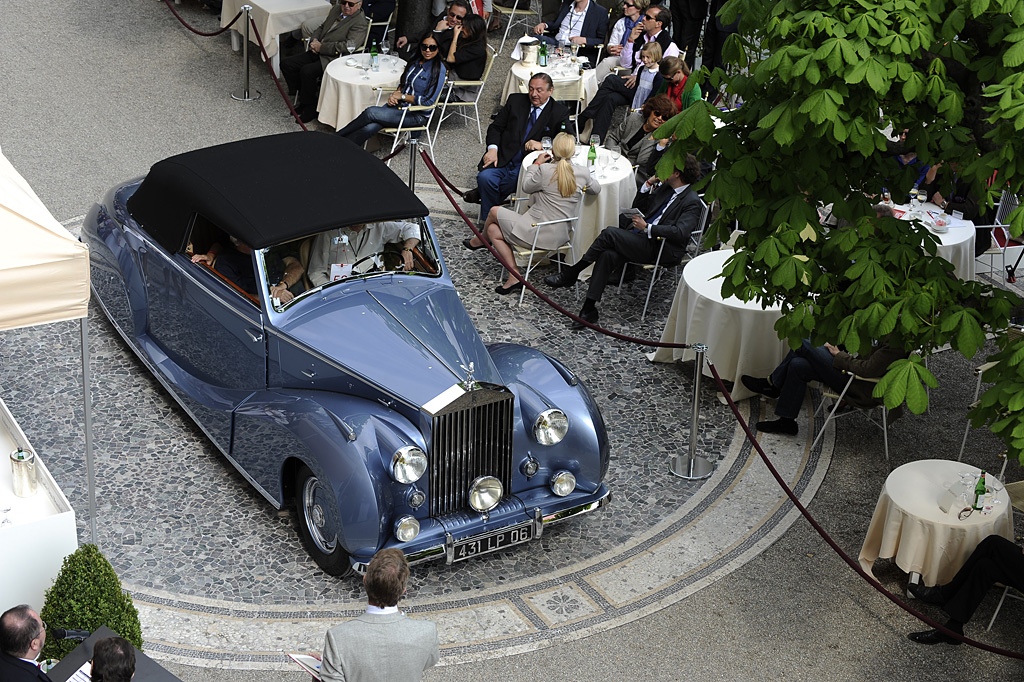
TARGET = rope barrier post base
(244,95)
(414,145)
(690,466)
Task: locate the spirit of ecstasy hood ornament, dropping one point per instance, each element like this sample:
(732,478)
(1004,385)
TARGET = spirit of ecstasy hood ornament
(470,383)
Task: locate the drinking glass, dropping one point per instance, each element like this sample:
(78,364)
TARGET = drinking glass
(545,142)
(350,45)
(886,197)
(595,140)
(575,51)
(385,47)
(365,66)
(5,508)
(922,196)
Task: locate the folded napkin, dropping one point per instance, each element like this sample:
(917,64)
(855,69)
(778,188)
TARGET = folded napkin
(517,52)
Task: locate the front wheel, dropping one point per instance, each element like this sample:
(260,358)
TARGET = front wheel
(312,500)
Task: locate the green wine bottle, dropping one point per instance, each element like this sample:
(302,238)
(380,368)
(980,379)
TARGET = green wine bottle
(592,156)
(542,54)
(979,491)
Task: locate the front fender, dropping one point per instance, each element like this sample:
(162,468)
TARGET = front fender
(540,380)
(339,437)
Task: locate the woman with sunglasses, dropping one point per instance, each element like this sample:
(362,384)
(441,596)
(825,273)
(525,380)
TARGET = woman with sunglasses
(632,15)
(634,138)
(677,73)
(421,83)
(554,195)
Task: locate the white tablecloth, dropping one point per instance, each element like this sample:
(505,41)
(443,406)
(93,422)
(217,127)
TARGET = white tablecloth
(344,94)
(273,17)
(618,188)
(909,525)
(740,336)
(956,245)
(564,73)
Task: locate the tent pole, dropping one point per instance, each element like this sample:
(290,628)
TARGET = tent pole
(86,383)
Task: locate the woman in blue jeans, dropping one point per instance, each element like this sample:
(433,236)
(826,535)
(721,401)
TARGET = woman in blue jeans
(420,85)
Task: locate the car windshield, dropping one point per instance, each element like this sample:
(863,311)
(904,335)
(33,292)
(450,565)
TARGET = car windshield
(294,269)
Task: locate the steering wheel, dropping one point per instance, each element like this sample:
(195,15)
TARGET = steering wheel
(379,254)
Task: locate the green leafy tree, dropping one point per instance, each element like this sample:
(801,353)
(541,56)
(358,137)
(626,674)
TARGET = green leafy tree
(85,595)
(820,81)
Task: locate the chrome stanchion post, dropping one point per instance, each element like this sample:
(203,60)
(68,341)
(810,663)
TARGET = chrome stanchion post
(691,467)
(414,149)
(244,95)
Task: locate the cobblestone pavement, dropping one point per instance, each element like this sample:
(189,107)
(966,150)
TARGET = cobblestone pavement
(671,580)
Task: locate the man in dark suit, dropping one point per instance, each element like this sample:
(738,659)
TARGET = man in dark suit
(688,17)
(994,560)
(673,211)
(22,637)
(653,27)
(383,644)
(303,71)
(515,131)
(582,22)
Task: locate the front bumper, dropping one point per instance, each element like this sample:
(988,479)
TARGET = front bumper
(538,518)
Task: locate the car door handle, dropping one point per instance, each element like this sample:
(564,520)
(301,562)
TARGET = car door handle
(308,373)
(255,336)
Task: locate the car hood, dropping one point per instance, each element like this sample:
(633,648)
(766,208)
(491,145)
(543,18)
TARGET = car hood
(411,338)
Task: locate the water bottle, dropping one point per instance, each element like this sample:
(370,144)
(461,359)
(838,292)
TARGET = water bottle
(542,54)
(374,58)
(592,156)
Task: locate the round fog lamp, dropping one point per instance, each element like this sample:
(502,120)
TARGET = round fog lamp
(563,483)
(407,529)
(550,426)
(408,464)
(485,493)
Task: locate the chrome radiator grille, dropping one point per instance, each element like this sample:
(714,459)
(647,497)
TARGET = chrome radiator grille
(470,438)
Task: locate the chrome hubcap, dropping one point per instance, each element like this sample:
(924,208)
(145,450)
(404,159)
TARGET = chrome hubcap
(314,516)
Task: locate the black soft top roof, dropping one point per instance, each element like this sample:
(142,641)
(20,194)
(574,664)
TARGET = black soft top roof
(269,190)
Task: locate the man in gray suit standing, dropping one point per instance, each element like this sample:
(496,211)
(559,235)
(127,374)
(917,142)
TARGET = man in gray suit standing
(383,644)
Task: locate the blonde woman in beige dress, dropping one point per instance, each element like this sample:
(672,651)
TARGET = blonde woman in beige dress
(553,184)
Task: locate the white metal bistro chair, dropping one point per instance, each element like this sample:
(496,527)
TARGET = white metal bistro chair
(512,13)
(1016,492)
(458,106)
(572,223)
(979,372)
(1003,245)
(657,269)
(397,131)
(867,409)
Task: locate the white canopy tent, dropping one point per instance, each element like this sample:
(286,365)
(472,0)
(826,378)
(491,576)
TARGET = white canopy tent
(38,254)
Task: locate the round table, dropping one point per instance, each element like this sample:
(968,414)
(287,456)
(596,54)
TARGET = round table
(909,525)
(344,94)
(618,188)
(564,74)
(740,336)
(955,245)
(272,18)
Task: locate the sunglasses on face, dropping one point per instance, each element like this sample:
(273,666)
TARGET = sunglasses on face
(649,17)
(428,48)
(346,3)
(454,16)
(629,4)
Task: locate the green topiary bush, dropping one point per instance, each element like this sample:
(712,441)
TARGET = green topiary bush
(87,594)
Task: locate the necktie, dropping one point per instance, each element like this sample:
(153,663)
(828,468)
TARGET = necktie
(530,124)
(653,220)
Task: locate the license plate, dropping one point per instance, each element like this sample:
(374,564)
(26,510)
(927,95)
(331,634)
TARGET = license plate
(501,539)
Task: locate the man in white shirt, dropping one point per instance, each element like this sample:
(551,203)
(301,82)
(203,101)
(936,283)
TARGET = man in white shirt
(335,252)
(654,26)
(580,22)
(383,644)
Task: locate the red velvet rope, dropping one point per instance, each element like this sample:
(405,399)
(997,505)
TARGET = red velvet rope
(195,30)
(266,60)
(441,181)
(835,547)
(399,150)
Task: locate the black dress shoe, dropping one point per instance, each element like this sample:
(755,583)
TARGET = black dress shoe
(468,245)
(787,427)
(762,386)
(560,279)
(502,291)
(929,595)
(588,317)
(472,195)
(932,637)
(308,116)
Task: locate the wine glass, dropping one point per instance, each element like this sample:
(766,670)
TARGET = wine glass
(385,47)
(365,66)
(922,196)
(545,142)
(575,51)
(595,140)
(350,46)
(5,508)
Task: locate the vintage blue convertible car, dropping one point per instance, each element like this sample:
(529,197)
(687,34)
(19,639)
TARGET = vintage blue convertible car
(370,400)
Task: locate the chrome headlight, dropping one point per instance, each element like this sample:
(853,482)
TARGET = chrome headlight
(409,464)
(563,483)
(407,529)
(485,493)
(550,427)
